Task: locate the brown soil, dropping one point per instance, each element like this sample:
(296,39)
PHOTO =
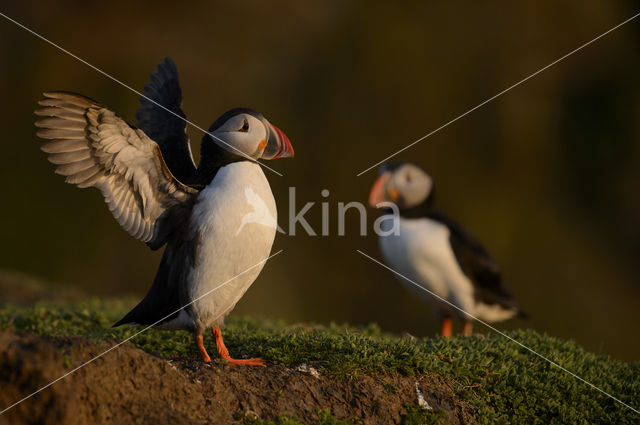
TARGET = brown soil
(129,386)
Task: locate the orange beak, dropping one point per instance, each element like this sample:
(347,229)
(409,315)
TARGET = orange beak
(377,193)
(278,144)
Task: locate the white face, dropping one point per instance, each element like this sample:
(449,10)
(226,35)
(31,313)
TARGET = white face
(244,133)
(409,185)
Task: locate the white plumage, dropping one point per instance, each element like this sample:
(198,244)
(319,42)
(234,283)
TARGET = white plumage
(459,276)
(225,251)
(217,220)
(421,251)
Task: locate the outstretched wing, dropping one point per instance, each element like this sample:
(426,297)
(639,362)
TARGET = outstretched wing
(165,128)
(477,264)
(93,147)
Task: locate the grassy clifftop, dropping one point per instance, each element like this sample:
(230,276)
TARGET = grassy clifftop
(504,383)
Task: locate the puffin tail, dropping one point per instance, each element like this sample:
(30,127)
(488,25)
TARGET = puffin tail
(119,323)
(126,319)
(136,316)
(159,301)
(522,315)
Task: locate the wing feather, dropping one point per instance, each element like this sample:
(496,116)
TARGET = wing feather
(60,133)
(69,157)
(93,147)
(56,112)
(62,123)
(477,263)
(57,145)
(167,129)
(68,107)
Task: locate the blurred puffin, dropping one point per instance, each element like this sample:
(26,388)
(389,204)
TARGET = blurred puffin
(436,252)
(153,188)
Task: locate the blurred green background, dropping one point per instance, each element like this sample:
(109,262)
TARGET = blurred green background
(545,175)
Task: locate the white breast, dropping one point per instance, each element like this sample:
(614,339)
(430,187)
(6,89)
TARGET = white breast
(235,221)
(422,252)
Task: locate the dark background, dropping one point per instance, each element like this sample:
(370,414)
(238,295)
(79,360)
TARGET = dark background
(545,175)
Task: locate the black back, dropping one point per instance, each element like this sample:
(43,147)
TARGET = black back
(474,260)
(477,263)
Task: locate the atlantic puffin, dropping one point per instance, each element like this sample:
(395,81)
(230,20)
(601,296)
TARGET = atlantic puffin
(153,188)
(425,245)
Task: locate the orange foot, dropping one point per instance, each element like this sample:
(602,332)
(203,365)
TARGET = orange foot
(467,328)
(246,362)
(446,327)
(224,353)
(203,351)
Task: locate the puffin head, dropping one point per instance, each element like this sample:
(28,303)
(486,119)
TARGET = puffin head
(245,132)
(405,184)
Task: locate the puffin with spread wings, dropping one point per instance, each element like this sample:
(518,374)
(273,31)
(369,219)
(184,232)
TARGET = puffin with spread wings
(435,252)
(153,188)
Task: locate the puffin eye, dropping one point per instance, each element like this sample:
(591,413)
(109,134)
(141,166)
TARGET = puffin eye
(245,126)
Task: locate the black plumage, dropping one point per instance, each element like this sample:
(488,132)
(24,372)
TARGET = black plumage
(154,190)
(167,129)
(444,257)
(474,259)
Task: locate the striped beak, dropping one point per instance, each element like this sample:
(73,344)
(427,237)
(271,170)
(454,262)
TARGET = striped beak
(278,144)
(378,190)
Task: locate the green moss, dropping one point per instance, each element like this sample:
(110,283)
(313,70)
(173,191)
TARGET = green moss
(389,388)
(504,382)
(325,419)
(418,416)
(66,363)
